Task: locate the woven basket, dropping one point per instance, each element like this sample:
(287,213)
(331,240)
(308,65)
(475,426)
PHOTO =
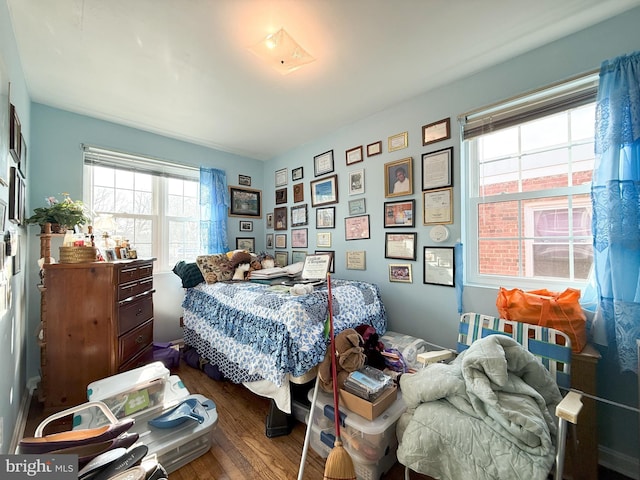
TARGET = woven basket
(78,254)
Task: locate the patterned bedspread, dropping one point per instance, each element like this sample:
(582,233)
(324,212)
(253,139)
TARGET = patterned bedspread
(253,333)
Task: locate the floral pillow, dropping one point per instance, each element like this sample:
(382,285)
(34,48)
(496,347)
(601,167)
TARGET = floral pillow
(215,268)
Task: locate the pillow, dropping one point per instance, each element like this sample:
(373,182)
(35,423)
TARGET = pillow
(189,273)
(215,268)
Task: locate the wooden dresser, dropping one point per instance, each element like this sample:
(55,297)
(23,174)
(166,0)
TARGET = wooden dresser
(97,320)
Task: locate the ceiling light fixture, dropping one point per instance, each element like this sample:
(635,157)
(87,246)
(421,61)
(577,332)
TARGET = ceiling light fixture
(282,52)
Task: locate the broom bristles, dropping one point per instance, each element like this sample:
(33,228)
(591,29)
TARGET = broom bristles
(339,464)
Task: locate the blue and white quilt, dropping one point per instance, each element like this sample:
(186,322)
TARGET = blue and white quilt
(254,333)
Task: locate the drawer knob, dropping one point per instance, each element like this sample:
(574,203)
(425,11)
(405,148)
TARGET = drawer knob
(139,312)
(139,339)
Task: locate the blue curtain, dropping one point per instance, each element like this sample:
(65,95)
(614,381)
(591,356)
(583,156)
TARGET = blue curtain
(214,200)
(615,194)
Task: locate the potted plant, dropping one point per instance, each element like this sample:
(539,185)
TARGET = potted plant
(60,214)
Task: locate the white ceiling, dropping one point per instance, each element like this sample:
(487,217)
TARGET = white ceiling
(182,68)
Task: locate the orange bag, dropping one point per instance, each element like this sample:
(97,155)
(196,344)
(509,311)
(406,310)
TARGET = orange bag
(561,311)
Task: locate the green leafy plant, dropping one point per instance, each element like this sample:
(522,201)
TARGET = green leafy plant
(67,213)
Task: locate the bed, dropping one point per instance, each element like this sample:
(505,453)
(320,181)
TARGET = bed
(262,336)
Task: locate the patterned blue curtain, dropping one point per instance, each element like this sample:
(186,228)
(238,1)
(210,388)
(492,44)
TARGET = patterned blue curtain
(615,194)
(214,200)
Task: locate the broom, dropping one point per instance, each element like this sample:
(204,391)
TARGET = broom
(339,465)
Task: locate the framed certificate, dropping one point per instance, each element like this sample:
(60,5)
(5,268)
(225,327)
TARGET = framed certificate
(438,206)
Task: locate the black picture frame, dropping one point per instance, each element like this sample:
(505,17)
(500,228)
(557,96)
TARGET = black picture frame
(437,169)
(439,266)
(14,133)
(280,218)
(16,196)
(324,191)
(400,214)
(299,215)
(323,163)
(325,217)
(400,245)
(246,243)
(245,202)
(281,196)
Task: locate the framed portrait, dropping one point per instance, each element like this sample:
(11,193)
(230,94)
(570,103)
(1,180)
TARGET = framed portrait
(245,202)
(269,240)
(246,243)
(357,207)
(270,220)
(333,254)
(374,148)
(356,228)
(326,217)
(356,260)
(299,215)
(399,214)
(280,218)
(400,272)
(281,177)
(246,226)
(281,240)
(437,169)
(298,192)
(244,180)
(398,178)
(14,133)
(281,196)
(436,131)
(110,255)
(439,267)
(323,163)
(297,174)
(398,141)
(354,155)
(281,259)
(437,206)
(324,191)
(3,214)
(22,166)
(298,256)
(323,239)
(299,238)
(356,182)
(400,245)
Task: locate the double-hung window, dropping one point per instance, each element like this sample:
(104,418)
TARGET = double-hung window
(529,163)
(154,204)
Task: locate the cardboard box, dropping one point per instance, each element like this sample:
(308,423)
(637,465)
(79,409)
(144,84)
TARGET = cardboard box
(366,409)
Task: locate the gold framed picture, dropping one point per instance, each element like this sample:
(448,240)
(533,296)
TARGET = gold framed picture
(398,141)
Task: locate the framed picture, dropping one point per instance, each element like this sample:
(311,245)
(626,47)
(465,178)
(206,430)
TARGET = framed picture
(437,169)
(398,178)
(357,207)
(436,131)
(299,215)
(324,191)
(281,196)
(400,245)
(280,218)
(326,217)
(374,148)
(356,182)
(281,177)
(400,272)
(323,163)
(439,268)
(281,259)
(356,260)
(437,206)
(323,239)
(354,155)
(298,193)
(269,240)
(16,196)
(244,180)
(356,228)
(398,141)
(3,214)
(299,238)
(245,202)
(333,255)
(16,258)
(297,174)
(22,166)
(110,255)
(281,240)
(246,226)
(270,220)
(246,243)
(298,256)
(14,133)
(399,214)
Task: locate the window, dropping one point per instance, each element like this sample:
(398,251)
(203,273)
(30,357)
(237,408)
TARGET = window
(154,204)
(528,208)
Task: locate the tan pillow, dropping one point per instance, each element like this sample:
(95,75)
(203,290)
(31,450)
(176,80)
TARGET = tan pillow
(215,268)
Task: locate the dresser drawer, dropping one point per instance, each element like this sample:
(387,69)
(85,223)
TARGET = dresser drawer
(134,313)
(143,358)
(127,274)
(135,288)
(132,343)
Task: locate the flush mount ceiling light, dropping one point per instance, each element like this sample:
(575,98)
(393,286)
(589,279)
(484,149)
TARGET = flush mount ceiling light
(282,52)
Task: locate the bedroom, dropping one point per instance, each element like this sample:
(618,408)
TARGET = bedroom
(56,166)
